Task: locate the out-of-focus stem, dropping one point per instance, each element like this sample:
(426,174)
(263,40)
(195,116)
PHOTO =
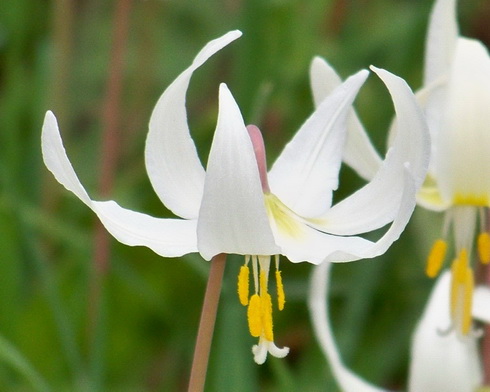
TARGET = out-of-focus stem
(110,146)
(206,324)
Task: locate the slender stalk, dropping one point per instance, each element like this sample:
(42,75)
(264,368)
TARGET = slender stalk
(206,324)
(110,146)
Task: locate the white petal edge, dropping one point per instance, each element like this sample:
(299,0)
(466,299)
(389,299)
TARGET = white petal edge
(166,237)
(441,40)
(233,217)
(441,360)
(307,170)
(315,246)
(377,203)
(172,163)
(359,153)
(481,304)
(318,305)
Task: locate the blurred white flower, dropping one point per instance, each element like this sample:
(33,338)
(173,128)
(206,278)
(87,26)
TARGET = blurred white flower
(441,359)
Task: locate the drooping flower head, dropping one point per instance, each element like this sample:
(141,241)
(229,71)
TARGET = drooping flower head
(235,206)
(455,98)
(441,359)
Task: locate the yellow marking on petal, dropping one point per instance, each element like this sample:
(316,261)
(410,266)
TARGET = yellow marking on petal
(484,247)
(468,199)
(243,284)
(254,316)
(281,297)
(266,308)
(436,258)
(285,219)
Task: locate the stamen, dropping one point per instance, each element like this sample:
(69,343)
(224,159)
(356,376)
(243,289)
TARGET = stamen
(484,247)
(266,307)
(254,316)
(281,297)
(259,150)
(243,284)
(436,258)
(462,286)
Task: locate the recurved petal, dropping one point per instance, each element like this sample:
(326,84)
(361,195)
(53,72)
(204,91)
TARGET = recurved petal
(441,360)
(233,217)
(441,40)
(306,172)
(172,163)
(166,237)
(318,304)
(378,202)
(359,153)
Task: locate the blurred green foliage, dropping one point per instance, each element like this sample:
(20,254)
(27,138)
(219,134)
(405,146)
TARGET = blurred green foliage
(55,55)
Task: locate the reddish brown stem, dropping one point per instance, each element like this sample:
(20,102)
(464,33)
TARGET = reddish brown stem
(110,145)
(206,324)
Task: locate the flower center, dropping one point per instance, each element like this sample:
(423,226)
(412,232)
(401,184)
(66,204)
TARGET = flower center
(469,199)
(259,304)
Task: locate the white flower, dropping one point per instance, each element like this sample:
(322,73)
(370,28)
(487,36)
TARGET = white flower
(455,97)
(235,206)
(441,359)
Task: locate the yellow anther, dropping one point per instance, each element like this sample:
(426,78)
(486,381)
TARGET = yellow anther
(468,288)
(484,247)
(281,297)
(462,285)
(266,305)
(243,279)
(436,258)
(254,315)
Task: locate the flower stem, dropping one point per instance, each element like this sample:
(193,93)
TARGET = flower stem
(206,324)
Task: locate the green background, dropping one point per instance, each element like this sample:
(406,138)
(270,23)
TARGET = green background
(137,333)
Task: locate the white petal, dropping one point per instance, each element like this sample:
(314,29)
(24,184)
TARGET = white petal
(481,304)
(173,165)
(166,237)
(441,40)
(306,172)
(358,153)
(318,304)
(233,217)
(441,361)
(462,144)
(378,202)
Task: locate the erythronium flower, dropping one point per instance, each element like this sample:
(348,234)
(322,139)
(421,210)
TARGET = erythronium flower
(441,359)
(235,206)
(455,97)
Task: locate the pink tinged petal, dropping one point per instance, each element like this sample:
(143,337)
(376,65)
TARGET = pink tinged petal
(463,142)
(442,361)
(172,163)
(233,217)
(481,304)
(441,40)
(318,304)
(380,201)
(358,153)
(306,172)
(166,237)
